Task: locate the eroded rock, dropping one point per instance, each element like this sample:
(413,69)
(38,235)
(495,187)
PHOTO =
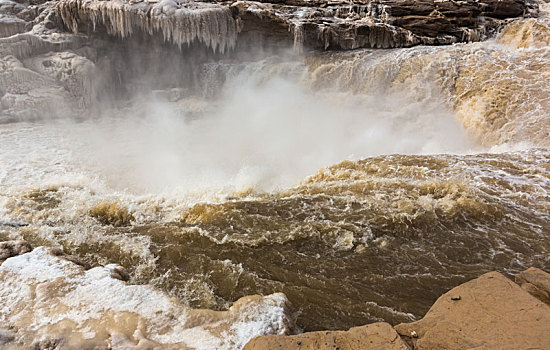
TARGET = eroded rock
(6,336)
(118,272)
(47,343)
(489,312)
(492,313)
(312,24)
(75,73)
(536,282)
(11,25)
(373,336)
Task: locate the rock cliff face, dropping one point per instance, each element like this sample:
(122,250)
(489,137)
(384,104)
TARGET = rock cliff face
(210,24)
(313,24)
(55,83)
(490,312)
(320,24)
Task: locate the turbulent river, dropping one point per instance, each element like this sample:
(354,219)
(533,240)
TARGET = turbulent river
(361,184)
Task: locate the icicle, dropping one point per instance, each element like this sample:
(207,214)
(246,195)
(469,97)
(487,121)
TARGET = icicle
(210,24)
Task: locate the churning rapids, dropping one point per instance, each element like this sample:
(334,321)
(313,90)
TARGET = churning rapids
(361,184)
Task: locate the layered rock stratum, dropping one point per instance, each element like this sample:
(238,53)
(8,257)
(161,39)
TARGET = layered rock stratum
(372,336)
(36,26)
(316,24)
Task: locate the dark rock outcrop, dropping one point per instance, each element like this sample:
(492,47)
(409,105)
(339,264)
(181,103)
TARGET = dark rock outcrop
(6,336)
(311,24)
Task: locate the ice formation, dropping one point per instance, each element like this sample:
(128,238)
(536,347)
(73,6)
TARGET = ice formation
(182,24)
(47,299)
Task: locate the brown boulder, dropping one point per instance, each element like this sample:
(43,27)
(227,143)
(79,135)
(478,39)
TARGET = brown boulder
(490,312)
(373,336)
(536,282)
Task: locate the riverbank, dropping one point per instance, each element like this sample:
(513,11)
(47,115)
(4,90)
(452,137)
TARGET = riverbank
(489,312)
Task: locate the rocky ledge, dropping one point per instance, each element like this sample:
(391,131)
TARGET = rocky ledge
(49,300)
(318,24)
(489,312)
(38,25)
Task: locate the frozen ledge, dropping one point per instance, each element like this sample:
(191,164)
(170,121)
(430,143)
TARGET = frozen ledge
(179,22)
(47,301)
(305,24)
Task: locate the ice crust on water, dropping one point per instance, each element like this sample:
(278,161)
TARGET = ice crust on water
(43,295)
(210,24)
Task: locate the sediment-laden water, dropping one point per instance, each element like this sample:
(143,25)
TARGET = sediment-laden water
(360,184)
